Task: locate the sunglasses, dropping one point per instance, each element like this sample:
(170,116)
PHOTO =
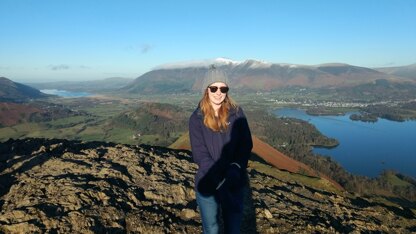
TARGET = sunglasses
(214,89)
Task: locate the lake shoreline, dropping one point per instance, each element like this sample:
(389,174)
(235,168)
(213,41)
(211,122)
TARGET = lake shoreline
(365,148)
(66,93)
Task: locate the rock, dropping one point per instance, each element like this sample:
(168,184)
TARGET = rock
(18,228)
(268,214)
(60,186)
(42,149)
(188,214)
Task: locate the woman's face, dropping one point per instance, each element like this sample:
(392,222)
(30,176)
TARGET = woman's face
(217,97)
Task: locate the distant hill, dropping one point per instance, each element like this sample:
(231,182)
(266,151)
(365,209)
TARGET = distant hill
(380,89)
(403,71)
(254,75)
(108,84)
(16,92)
(167,81)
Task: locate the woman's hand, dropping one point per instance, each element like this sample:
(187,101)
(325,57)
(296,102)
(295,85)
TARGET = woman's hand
(233,176)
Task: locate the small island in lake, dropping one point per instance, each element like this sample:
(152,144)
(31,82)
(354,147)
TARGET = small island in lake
(322,111)
(365,117)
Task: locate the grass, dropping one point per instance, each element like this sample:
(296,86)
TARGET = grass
(396,181)
(69,128)
(181,142)
(120,135)
(105,110)
(8,132)
(317,183)
(93,133)
(18,131)
(67,121)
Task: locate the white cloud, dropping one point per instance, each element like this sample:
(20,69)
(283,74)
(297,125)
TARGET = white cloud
(59,67)
(145,48)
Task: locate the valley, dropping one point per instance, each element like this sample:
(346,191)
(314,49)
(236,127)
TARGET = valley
(162,120)
(156,113)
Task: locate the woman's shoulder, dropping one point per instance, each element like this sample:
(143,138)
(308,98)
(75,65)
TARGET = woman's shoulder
(237,111)
(197,114)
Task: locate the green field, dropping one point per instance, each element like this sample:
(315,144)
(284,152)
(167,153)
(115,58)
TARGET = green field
(94,125)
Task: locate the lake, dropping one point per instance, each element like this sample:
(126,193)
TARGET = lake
(65,93)
(365,148)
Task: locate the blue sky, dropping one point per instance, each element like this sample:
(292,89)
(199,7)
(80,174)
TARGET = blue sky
(44,40)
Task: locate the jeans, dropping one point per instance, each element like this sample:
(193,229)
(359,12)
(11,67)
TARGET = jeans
(209,210)
(209,207)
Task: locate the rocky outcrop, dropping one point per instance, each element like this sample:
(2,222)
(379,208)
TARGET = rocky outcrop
(96,187)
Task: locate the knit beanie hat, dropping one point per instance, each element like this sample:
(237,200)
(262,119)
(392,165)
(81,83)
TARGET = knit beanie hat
(214,75)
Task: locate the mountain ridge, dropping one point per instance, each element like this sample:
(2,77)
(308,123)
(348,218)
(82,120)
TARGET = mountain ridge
(17,92)
(404,71)
(256,75)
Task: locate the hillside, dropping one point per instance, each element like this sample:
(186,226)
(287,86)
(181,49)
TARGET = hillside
(72,187)
(14,113)
(272,156)
(153,122)
(35,112)
(403,71)
(16,92)
(253,75)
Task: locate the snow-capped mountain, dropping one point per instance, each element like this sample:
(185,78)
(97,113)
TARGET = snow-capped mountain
(197,63)
(255,75)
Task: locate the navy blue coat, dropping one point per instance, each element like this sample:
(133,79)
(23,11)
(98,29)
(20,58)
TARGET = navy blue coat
(215,151)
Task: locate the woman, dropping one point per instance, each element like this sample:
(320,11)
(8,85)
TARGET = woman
(221,145)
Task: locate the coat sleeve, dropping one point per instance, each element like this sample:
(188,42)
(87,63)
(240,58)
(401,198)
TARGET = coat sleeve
(245,143)
(200,153)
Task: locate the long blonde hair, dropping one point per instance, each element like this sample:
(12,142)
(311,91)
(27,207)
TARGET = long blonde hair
(220,123)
